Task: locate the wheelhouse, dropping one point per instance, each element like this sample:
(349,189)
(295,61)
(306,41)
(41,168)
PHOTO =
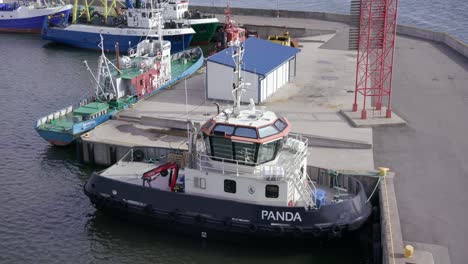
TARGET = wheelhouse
(249,140)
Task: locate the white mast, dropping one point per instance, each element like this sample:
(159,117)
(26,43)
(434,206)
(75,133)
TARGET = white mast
(238,85)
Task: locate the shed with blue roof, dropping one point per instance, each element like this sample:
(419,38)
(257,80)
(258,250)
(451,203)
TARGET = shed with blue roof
(267,67)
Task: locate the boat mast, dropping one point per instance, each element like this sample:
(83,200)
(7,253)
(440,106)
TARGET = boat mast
(238,85)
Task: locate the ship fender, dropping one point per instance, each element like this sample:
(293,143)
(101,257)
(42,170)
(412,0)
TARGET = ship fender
(336,230)
(200,219)
(317,231)
(148,208)
(173,216)
(298,231)
(253,228)
(278,229)
(227,223)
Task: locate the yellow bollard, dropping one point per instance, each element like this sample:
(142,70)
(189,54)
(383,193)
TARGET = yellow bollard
(409,250)
(383,171)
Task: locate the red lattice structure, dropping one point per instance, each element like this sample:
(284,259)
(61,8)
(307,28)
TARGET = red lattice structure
(376,46)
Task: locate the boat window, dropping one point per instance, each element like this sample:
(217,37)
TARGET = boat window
(267,131)
(244,152)
(223,130)
(130,14)
(143,14)
(246,132)
(230,186)
(271,191)
(280,124)
(266,152)
(221,147)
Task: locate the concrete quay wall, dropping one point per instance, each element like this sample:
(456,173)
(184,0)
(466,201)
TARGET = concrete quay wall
(425,34)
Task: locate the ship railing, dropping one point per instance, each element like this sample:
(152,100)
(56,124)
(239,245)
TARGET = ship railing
(62,112)
(225,165)
(56,115)
(298,145)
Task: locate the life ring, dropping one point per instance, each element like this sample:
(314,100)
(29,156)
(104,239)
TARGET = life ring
(86,135)
(253,228)
(158,54)
(142,65)
(138,155)
(317,231)
(131,52)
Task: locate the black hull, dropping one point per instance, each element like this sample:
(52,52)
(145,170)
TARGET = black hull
(216,219)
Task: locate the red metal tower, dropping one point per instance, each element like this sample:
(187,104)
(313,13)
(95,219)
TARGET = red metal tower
(376,46)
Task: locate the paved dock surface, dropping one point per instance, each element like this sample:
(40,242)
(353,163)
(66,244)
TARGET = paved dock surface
(311,102)
(430,154)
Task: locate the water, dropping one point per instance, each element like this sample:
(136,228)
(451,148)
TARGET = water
(44,215)
(449,16)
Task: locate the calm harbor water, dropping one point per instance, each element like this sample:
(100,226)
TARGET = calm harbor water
(44,215)
(449,16)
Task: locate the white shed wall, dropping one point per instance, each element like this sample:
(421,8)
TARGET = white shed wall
(219,83)
(220,77)
(274,81)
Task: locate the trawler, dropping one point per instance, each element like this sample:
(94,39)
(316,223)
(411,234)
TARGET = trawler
(244,174)
(147,69)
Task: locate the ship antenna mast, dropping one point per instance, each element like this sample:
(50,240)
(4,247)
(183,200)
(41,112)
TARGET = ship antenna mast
(106,71)
(227,15)
(238,85)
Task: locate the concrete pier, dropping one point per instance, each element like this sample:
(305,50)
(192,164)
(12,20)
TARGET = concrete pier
(423,202)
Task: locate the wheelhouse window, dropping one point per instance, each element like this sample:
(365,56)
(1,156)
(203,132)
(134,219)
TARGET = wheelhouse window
(271,191)
(221,147)
(267,151)
(246,132)
(244,152)
(230,186)
(280,124)
(267,131)
(223,130)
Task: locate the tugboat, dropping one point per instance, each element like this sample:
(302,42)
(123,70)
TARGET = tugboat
(148,69)
(244,174)
(28,18)
(128,29)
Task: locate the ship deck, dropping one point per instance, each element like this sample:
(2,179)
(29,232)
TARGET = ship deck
(132,172)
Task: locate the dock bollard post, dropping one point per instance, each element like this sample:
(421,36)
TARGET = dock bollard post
(383,171)
(409,250)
